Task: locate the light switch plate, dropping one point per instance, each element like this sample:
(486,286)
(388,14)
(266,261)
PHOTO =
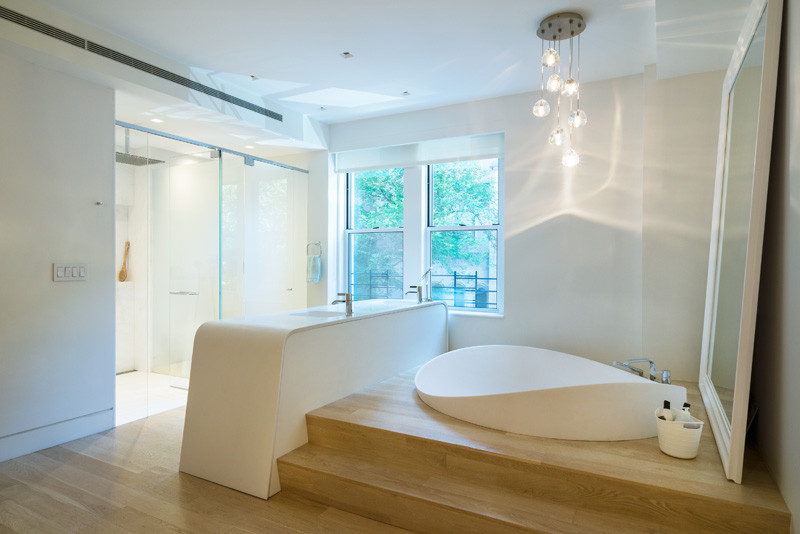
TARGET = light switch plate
(70,272)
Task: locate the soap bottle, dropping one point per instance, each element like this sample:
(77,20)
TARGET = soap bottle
(665,412)
(683,414)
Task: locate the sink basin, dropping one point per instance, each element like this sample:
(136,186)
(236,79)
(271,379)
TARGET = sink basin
(319,313)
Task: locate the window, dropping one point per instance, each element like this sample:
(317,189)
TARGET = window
(463,232)
(444,217)
(375,234)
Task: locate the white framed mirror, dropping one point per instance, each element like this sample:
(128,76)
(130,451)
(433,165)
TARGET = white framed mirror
(737,233)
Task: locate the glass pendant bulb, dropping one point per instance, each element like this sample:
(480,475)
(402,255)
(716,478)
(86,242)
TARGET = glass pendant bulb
(577,118)
(570,158)
(554,83)
(541,108)
(570,87)
(550,57)
(558,136)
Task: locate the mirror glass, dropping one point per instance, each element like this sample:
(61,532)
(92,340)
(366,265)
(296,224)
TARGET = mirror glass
(739,173)
(740,202)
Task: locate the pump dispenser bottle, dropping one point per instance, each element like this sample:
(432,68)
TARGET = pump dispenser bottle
(666,413)
(683,414)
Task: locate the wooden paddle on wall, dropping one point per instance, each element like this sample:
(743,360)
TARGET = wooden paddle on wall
(123,273)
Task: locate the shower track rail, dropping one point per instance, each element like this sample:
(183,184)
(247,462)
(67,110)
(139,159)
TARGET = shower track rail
(248,159)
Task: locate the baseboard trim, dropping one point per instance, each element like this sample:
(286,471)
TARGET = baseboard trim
(36,439)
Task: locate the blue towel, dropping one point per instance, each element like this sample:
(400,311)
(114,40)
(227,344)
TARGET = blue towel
(313,267)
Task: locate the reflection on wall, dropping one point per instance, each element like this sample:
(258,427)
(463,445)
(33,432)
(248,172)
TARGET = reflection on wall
(681,126)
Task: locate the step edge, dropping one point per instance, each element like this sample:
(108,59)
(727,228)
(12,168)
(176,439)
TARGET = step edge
(476,514)
(534,463)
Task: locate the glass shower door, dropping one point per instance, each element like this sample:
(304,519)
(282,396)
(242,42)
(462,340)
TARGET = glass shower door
(194,244)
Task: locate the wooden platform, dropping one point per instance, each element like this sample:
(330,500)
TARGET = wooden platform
(384,454)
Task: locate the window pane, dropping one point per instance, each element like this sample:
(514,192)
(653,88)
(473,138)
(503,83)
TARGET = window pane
(464,268)
(465,193)
(376,265)
(377,199)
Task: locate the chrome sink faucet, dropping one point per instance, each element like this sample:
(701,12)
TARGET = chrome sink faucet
(425,281)
(348,303)
(666,377)
(418,291)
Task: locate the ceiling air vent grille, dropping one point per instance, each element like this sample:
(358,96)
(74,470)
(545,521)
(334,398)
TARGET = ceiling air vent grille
(41,27)
(138,64)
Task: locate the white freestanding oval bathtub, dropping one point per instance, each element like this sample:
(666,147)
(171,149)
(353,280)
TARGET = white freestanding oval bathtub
(544,393)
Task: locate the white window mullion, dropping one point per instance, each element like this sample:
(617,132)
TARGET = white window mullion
(343,278)
(501,234)
(414,218)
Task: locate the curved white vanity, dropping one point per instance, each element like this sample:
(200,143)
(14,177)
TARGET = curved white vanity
(253,379)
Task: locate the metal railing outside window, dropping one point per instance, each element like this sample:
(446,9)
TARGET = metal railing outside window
(465,290)
(376,285)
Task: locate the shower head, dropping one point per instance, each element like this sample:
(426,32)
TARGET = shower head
(133,159)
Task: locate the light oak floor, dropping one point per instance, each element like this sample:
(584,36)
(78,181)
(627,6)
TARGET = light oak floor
(139,394)
(127,480)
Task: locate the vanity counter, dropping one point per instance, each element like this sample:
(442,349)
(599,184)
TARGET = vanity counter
(253,379)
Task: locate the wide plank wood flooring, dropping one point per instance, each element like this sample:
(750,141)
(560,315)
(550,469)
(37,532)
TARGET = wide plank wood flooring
(127,480)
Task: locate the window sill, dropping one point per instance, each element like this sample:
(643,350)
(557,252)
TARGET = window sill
(467,313)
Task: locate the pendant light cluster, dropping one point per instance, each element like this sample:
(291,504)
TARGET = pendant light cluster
(553,30)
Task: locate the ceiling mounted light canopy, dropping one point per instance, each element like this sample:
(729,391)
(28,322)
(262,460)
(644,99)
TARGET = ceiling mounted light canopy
(552,30)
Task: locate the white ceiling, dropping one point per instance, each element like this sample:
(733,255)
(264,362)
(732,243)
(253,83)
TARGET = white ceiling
(440,52)
(694,37)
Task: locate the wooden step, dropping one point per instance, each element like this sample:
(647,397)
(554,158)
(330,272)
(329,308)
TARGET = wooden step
(384,454)
(407,497)
(410,497)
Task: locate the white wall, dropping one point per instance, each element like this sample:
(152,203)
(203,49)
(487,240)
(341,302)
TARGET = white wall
(609,260)
(322,216)
(573,237)
(776,362)
(56,339)
(681,125)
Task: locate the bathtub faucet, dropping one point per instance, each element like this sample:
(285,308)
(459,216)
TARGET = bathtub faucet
(347,301)
(665,374)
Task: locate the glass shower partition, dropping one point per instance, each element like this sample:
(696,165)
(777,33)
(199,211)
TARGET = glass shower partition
(263,229)
(194,252)
(212,235)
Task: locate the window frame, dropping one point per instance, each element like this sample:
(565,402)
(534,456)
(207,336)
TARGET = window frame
(349,231)
(417,229)
(499,227)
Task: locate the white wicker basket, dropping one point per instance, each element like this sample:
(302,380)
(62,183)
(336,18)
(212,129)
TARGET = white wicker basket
(680,439)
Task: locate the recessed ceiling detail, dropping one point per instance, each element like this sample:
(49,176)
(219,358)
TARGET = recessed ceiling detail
(337,97)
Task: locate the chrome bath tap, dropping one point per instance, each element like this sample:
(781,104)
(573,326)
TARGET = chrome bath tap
(666,377)
(347,301)
(418,291)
